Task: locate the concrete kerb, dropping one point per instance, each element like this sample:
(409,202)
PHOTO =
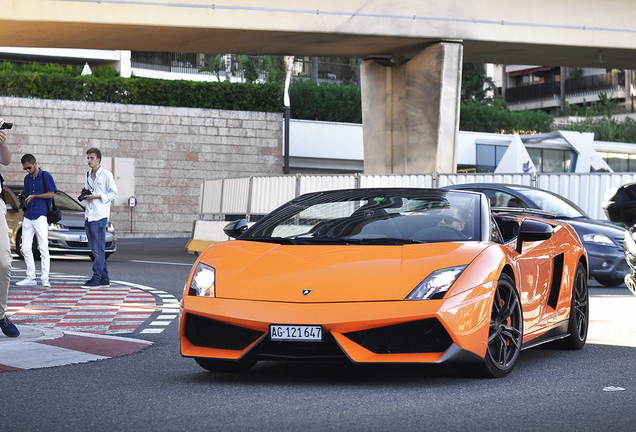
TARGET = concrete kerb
(31,333)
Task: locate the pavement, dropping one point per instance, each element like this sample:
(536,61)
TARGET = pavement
(66,324)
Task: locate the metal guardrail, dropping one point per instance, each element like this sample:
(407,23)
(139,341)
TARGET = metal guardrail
(253,197)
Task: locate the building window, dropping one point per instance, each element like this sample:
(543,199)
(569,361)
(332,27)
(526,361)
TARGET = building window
(619,162)
(552,160)
(489,156)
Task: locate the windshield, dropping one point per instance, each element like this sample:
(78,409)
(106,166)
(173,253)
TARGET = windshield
(549,202)
(373,216)
(65,202)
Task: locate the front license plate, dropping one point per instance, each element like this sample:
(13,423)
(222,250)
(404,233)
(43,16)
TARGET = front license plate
(301,333)
(83,238)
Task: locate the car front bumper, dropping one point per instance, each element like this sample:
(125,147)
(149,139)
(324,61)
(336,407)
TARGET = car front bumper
(207,324)
(606,262)
(75,242)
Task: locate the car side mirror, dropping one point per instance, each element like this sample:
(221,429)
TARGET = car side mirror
(9,206)
(235,229)
(533,230)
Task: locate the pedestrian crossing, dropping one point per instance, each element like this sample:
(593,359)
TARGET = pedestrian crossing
(119,309)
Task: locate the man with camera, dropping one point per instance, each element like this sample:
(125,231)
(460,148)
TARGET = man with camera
(99,190)
(7,327)
(39,189)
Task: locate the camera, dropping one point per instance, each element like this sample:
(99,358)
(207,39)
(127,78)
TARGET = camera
(6,125)
(84,194)
(23,201)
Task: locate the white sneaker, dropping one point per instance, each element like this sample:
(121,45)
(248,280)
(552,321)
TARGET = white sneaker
(27,282)
(45,283)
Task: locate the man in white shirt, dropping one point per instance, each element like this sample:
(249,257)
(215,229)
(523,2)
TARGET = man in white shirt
(7,327)
(103,190)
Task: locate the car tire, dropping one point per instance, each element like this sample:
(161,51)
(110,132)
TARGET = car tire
(505,334)
(214,365)
(578,322)
(610,282)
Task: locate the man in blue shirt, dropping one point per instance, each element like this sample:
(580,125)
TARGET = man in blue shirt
(39,187)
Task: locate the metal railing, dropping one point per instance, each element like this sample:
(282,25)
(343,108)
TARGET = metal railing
(253,197)
(592,85)
(191,63)
(534,92)
(331,72)
(595,84)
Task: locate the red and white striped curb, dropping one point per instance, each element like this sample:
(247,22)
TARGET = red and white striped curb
(100,311)
(66,324)
(39,348)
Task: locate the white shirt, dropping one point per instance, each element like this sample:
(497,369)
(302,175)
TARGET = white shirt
(104,186)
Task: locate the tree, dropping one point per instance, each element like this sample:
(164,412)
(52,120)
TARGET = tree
(214,65)
(476,85)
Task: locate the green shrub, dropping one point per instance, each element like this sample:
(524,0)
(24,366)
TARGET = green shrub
(495,119)
(606,129)
(104,85)
(325,102)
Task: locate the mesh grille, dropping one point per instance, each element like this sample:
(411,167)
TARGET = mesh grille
(423,336)
(328,349)
(205,332)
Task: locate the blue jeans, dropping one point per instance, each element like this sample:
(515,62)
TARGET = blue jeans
(96,234)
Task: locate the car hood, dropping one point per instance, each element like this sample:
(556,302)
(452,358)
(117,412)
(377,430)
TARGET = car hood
(584,226)
(251,270)
(73,219)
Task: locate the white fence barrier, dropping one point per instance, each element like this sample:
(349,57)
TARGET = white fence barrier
(260,195)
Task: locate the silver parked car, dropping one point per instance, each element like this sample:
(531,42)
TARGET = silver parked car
(68,236)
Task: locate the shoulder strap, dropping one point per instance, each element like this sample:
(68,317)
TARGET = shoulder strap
(48,206)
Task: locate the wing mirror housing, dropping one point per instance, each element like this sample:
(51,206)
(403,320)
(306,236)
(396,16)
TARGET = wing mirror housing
(235,229)
(533,230)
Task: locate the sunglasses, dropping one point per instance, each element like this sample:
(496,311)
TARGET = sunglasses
(28,168)
(447,220)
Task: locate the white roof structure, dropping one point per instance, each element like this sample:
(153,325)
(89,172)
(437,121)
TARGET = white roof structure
(516,159)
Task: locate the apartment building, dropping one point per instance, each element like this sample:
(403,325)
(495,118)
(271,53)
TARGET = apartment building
(546,88)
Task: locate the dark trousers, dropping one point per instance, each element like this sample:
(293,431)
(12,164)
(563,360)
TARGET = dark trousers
(96,234)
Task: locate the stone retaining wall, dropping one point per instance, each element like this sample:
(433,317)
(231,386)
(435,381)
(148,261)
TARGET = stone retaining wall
(161,155)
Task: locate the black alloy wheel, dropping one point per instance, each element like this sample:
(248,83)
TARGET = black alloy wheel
(504,336)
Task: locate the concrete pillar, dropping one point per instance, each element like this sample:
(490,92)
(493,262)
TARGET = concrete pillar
(410,112)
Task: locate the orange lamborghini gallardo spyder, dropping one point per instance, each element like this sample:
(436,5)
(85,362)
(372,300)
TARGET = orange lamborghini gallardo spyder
(387,275)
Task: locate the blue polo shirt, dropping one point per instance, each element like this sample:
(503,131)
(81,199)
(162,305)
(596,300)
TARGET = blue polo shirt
(35,186)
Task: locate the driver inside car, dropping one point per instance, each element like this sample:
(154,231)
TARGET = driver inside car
(451,217)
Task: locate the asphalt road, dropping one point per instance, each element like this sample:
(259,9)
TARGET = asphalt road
(158,390)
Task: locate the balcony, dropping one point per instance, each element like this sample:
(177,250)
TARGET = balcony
(575,88)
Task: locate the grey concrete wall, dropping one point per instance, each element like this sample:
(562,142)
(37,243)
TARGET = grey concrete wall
(172,151)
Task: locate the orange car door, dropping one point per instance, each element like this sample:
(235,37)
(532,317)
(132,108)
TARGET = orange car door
(535,263)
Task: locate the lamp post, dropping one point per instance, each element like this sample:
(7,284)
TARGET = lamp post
(289,65)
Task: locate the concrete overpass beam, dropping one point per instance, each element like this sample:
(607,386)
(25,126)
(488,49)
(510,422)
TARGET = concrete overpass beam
(410,112)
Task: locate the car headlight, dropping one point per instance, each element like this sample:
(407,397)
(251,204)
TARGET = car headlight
(110,227)
(598,239)
(436,284)
(57,227)
(203,281)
